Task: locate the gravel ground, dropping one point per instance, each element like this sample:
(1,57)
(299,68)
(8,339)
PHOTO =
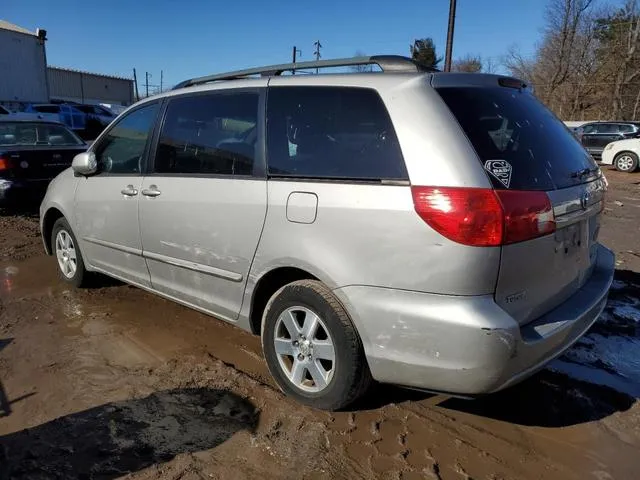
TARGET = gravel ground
(112,382)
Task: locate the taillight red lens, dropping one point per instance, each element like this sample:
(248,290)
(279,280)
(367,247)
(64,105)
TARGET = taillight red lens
(482,217)
(4,163)
(471,216)
(527,215)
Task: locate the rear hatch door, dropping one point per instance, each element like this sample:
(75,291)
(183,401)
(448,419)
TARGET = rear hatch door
(522,146)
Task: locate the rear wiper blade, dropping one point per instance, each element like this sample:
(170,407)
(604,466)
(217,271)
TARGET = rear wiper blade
(584,172)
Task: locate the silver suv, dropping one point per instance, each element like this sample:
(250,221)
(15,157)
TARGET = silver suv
(431,230)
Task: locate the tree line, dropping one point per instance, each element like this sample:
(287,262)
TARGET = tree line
(587,64)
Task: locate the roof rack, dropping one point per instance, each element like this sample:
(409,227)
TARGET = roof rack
(388,63)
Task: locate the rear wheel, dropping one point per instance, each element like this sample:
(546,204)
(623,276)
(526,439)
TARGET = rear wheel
(65,248)
(311,347)
(626,162)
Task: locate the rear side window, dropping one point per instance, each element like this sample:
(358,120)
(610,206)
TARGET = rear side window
(333,133)
(47,108)
(626,128)
(521,144)
(606,128)
(211,134)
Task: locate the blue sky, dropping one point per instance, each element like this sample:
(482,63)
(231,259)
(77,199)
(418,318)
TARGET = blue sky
(189,38)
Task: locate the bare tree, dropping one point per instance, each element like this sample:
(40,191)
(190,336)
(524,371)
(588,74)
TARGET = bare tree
(469,64)
(620,42)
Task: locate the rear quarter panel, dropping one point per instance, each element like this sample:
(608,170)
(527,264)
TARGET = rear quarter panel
(368,235)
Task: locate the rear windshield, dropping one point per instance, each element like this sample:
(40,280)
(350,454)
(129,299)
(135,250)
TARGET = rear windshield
(25,133)
(522,145)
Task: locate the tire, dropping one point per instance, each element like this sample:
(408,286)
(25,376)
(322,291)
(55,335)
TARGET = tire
(626,162)
(345,378)
(64,246)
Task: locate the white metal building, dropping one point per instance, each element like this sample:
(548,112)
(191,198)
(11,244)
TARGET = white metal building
(23,63)
(84,87)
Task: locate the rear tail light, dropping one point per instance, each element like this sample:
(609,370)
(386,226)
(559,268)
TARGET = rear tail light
(527,215)
(4,163)
(482,217)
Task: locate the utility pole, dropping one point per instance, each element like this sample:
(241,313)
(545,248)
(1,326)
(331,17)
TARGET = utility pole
(161,78)
(135,82)
(318,46)
(452,21)
(296,51)
(147,75)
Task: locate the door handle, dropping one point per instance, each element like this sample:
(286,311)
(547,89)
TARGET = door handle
(152,191)
(129,191)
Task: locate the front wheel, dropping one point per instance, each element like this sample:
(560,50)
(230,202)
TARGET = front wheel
(312,349)
(65,247)
(626,162)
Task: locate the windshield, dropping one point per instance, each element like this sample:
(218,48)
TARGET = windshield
(26,133)
(521,144)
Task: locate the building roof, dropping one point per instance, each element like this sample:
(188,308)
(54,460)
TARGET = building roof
(14,28)
(89,73)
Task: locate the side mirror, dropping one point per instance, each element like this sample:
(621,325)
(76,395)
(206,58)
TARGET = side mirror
(85,163)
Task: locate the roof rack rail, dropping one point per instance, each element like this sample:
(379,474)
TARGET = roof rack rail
(387,63)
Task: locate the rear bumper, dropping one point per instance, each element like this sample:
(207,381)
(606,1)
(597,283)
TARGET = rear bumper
(467,345)
(17,192)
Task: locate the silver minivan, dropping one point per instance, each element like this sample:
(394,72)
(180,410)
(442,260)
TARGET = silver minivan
(432,230)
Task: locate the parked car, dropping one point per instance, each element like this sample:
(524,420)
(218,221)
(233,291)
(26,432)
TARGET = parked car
(66,114)
(622,154)
(103,116)
(597,135)
(31,154)
(432,230)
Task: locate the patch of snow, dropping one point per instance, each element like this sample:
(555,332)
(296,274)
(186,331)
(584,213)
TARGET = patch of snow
(618,285)
(628,312)
(613,361)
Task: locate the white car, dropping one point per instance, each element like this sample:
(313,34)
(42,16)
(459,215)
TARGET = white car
(622,154)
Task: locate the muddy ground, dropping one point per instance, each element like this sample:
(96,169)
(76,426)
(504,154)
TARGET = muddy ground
(111,381)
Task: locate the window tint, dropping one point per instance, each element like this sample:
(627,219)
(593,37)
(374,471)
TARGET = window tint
(209,134)
(85,108)
(606,128)
(505,124)
(626,128)
(588,129)
(47,108)
(331,132)
(122,149)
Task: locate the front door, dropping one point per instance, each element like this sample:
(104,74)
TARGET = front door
(106,218)
(204,200)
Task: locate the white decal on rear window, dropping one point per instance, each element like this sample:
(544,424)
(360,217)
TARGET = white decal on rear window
(501,169)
